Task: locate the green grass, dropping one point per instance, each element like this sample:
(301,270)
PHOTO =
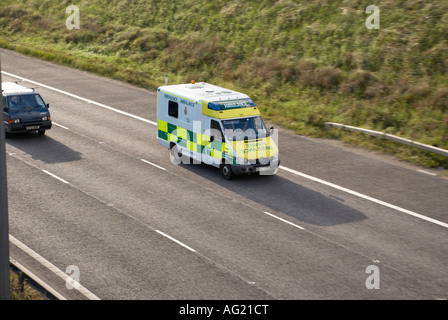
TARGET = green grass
(26,293)
(303,63)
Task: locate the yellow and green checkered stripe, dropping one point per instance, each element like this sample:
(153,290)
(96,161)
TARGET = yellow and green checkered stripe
(193,141)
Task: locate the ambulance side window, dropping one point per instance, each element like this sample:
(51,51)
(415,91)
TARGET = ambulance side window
(216,130)
(173,109)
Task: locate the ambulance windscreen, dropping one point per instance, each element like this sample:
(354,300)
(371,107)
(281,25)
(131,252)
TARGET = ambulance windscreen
(245,128)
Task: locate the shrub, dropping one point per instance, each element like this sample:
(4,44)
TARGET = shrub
(325,78)
(362,83)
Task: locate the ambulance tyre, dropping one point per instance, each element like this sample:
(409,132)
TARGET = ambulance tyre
(226,171)
(175,155)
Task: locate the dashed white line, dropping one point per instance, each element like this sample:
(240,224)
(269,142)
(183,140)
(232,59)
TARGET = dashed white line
(55,176)
(52,268)
(294,225)
(177,241)
(57,124)
(363,196)
(153,164)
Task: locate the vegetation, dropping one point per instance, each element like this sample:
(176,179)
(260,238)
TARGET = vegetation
(23,291)
(304,63)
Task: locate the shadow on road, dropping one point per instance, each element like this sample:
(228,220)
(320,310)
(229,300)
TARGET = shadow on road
(282,195)
(43,148)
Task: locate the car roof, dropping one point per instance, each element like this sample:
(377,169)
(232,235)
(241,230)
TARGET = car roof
(13,88)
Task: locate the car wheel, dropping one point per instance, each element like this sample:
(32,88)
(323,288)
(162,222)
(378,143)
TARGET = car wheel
(175,155)
(226,171)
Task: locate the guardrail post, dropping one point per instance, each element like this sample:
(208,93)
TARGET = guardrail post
(21,281)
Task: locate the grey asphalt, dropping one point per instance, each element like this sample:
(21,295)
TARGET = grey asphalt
(109,218)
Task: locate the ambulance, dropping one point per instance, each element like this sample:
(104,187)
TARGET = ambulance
(205,123)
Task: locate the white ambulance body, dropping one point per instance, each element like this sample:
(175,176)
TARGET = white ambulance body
(204,123)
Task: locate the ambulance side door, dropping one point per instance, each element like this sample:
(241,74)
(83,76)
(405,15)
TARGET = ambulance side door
(213,143)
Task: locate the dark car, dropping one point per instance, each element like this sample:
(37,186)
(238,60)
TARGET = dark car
(24,110)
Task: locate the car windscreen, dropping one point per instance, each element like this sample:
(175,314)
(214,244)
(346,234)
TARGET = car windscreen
(25,101)
(245,128)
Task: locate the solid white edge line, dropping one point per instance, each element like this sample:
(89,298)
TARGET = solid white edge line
(153,164)
(55,176)
(59,125)
(294,225)
(363,196)
(443,224)
(177,241)
(35,278)
(53,268)
(81,98)
(426,172)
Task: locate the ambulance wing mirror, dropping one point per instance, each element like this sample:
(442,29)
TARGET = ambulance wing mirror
(47,105)
(271,130)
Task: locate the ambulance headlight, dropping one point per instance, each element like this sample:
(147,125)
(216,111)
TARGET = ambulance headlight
(45,118)
(264,161)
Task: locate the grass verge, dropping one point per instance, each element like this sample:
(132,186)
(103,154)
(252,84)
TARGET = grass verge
(23,291)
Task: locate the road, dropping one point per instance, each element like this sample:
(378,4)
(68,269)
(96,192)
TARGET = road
(98,193)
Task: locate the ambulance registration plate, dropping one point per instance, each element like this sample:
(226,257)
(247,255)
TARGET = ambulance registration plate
(32,127)
(262,168)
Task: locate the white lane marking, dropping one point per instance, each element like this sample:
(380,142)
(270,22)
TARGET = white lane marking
(37,279)
(57,124)
(443,224)
(430,173)
(55,176)
(363,196)
(177,241)
(153,164)
(81,98)
(52,268)
(294,225)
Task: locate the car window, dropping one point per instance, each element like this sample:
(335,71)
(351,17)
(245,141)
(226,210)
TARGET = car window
(18,102)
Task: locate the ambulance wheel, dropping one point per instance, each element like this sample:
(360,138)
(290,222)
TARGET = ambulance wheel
(175,155)
(41,132)
(226,171)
